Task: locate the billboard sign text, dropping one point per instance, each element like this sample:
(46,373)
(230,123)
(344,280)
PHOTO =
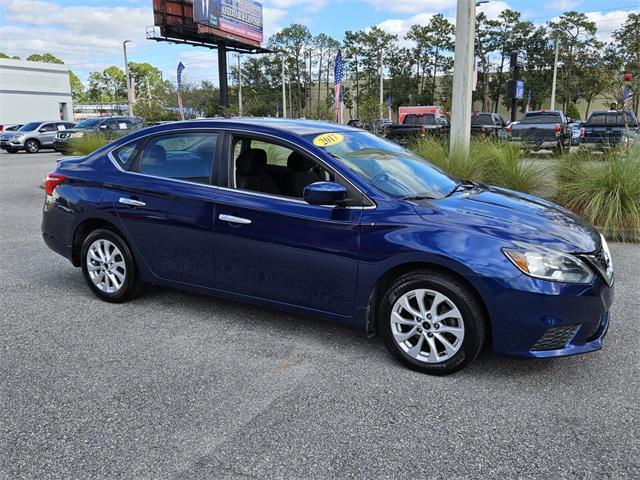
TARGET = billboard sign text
(238,17)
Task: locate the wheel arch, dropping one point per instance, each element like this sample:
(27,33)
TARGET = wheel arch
(85,228)
(396,272)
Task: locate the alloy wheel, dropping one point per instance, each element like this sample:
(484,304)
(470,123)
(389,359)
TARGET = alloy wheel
(427,325)
(106,266)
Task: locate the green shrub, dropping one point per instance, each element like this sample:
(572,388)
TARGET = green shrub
(489,162)
(456,164)
(504,166)
(87,144)
(607,194)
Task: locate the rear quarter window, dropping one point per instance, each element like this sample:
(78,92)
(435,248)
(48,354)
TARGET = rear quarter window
(126,155)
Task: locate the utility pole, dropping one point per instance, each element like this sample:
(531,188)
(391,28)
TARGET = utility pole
(127,79)
(284,92)
(381,84)
(239,85)
(463,76)
(555,77)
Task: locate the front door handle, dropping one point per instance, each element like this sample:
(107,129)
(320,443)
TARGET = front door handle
(232,219)
(131,202)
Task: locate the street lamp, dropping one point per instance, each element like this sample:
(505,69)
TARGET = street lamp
(126,73)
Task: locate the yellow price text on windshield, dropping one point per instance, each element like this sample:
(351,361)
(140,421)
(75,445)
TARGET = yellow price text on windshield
(328,139)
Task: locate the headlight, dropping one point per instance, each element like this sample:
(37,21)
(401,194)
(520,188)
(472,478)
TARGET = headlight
(547,264)
(18,137)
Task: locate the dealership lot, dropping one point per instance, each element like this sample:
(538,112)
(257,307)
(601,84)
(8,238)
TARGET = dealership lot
(177,385)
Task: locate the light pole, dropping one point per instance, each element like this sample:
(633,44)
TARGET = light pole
(555,76)
(284,92)
(127,79)
(463,76)
(239,85)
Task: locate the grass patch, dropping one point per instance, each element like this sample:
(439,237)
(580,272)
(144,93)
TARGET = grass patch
(87,144)
(489,162)
(606,192)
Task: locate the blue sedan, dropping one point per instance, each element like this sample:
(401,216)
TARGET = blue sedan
(334,222)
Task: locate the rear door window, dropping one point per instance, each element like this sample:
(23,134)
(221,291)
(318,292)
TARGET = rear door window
(181,156)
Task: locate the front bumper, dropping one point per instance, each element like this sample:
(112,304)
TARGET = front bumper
(12,143)
(61,145)
(540,319)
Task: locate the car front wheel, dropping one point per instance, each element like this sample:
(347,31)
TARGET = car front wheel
(108,266)
(32,146)
(432,322)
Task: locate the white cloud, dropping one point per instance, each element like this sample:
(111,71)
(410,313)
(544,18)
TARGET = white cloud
(562,5)
(78,35)
(609,22)
(413,6)
(306,5)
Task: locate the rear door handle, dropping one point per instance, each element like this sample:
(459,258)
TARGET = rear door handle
(131,202)
(232,219)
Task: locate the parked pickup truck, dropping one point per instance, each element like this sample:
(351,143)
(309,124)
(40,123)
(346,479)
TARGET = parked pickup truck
(542,130)
(489,125)
(416,126)
(607,129)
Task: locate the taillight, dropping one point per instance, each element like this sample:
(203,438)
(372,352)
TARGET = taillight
(582,132)
(509,129)
(423,132)
(483,130)
(558,129)
(51,181)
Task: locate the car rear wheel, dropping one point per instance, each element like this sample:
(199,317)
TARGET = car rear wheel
(431,322)
(32,146)
(108,266)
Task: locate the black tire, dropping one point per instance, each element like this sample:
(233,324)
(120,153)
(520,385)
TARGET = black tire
(130,286)
(32,146)
(475,323)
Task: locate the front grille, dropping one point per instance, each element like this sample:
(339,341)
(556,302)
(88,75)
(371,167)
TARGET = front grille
(556,338)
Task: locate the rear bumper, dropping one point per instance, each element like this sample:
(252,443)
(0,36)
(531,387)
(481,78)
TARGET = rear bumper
(526,313)
(535,145)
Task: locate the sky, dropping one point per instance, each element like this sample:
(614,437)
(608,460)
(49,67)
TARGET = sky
(88,34)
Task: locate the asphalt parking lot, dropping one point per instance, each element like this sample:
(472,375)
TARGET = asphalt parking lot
(177,385)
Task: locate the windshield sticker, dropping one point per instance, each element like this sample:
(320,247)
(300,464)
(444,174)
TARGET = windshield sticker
(328,140)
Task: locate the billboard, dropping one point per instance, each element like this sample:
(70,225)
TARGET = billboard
(237,17)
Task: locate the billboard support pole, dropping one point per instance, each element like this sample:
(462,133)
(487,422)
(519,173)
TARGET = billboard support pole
(222,72)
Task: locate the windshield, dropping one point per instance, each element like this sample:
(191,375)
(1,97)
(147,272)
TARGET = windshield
(389,167)
(89,123)
(29,127)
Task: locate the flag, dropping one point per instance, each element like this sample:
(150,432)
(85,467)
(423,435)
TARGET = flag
(181,67)
(339,94)
(627,95)
(528,107)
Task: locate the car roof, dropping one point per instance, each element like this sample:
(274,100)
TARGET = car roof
(297,127)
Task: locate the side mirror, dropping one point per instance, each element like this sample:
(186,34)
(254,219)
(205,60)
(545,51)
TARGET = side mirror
(324,193)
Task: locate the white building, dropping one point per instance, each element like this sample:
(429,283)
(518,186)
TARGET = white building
(34,91)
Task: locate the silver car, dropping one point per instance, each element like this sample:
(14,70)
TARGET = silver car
(33,136)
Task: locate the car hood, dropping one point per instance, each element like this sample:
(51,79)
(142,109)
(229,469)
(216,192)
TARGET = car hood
(514,217)
(73,130)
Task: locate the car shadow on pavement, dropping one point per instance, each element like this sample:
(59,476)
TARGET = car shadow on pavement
(325,337)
